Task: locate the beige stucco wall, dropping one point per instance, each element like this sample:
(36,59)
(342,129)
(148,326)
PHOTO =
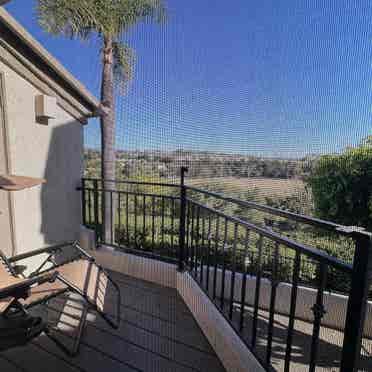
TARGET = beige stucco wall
(49,213)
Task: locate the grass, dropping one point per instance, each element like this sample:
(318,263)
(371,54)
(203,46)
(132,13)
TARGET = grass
(263,186)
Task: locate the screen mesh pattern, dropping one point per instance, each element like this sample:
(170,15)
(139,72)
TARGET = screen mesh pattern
(264,102)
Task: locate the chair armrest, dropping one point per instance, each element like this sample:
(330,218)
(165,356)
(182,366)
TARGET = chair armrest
(38,252)
(51,250)
(83,252)
(20,289)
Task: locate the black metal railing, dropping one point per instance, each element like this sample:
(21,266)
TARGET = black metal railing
(272,289)
(144,216)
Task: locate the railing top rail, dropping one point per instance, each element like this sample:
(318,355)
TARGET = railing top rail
(302,248)
(128,182)
(312,221)
(123,192)
(331,226)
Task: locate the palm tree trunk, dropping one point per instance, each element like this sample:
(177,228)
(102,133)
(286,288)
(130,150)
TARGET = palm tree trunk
(108,140)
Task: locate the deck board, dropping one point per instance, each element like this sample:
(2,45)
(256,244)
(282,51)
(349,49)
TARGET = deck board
(10,365)
(32,357)
(157,334)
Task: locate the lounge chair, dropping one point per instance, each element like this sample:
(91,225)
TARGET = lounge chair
(67,268)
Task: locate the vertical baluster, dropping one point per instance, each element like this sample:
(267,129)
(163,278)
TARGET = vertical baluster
(257,291)
(96,209)
(233,271)
(119,213)
(135,221)
(292,310)
(182,221)
(192,237)
(153,224)
(84,201)
(90,206)
(173,211)
(188,218)
(224,250)
(318,310)
(100,197)
(358,302)
(201,250)
(274,285)
(162,224)
(127,217)
(112,218)
(144,222)
(209,250)
(216,258)
(197,235)
(244,281)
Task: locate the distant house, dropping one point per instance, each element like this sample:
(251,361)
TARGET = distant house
(42,112)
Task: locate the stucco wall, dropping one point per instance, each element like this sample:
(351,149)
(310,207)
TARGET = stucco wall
(49,213)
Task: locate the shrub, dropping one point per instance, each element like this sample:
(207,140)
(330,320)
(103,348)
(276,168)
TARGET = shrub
(342,186)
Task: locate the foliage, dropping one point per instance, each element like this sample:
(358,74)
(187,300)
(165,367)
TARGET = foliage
(342,186)
(105,19)
(299,203)
(207,164)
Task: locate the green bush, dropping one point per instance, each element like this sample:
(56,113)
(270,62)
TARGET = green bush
(342,186)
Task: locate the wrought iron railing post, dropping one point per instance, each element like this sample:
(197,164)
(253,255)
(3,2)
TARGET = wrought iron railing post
(356,310)
(83,201)
(95,192)
(182,230)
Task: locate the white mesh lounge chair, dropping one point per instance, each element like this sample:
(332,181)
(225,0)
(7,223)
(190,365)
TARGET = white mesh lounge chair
(67,268)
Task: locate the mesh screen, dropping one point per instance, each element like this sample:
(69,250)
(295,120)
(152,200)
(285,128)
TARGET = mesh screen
(247,94)
(264,101)
(251,96)
(251,78)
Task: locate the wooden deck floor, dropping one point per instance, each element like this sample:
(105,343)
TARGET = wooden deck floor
(157,334)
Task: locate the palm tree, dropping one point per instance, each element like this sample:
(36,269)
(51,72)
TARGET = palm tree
(107,20)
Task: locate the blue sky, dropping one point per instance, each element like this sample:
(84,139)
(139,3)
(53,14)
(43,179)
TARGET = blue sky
(262,77)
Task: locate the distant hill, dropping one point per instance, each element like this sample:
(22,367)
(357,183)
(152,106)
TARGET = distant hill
(201,164)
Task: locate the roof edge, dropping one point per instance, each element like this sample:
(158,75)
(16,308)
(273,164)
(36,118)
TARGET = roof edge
(51,62)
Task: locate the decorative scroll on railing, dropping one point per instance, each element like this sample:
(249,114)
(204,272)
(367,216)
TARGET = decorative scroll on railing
(284,298)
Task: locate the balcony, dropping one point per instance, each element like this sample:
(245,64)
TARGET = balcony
(205,290)
(157,333)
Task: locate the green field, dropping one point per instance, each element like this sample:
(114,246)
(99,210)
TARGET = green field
(263,186)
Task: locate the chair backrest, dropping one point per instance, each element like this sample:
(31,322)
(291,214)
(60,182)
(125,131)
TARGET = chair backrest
(7,277)
(6,271)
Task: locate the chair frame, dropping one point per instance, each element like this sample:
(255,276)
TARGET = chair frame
(51,274)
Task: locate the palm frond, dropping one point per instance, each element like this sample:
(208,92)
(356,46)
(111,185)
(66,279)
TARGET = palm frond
(130,12)
(72,18)
(108,19)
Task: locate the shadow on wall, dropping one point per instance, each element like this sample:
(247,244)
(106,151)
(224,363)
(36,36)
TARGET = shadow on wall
(60,202)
